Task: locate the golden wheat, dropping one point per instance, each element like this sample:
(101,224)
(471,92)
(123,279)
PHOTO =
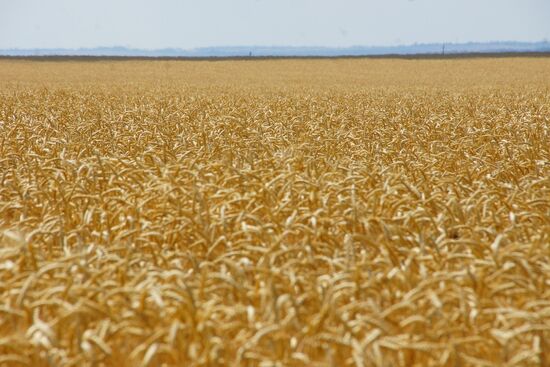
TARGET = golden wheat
(275,213)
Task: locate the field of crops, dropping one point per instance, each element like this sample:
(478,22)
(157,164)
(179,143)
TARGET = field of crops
(275,213)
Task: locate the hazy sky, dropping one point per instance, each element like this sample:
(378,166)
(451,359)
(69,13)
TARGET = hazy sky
(186,24)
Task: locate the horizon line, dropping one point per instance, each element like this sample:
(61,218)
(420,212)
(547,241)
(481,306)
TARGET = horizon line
(418,49)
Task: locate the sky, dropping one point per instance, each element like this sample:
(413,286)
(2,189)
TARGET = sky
(203,23)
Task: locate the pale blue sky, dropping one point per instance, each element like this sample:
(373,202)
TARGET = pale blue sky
(200,23)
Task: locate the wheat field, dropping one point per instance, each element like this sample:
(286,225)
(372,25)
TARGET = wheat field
(341,212)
